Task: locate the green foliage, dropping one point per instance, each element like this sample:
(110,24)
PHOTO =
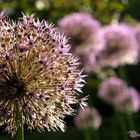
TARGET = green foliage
(133,9)
(52,10)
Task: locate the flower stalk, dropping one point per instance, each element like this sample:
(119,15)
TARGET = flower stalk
(20,129)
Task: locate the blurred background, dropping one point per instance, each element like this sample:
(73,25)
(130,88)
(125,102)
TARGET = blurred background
(105,34)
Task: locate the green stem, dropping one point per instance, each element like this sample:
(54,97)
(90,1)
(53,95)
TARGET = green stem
(129,116)
(114,128)
(20,130)
(86,134)
(123,73)
(130,121)
(122,125)
(95,134)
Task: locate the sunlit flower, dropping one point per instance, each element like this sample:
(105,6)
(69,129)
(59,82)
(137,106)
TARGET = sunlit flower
(38,75)
(88,118)
(81,28)
(119,45)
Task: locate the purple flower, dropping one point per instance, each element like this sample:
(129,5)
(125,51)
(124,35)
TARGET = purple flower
(38,75)
(115,91)
(81,28)
(112,90)
(88,118)
(131,103)
(119,45)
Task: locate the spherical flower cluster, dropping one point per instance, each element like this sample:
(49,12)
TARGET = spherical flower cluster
(115,91)
(88,118)
(118,45)
(131,103)
(38,75)
(81,28)
(112,90)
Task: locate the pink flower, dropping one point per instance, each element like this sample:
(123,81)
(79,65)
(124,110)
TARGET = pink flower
(131,103)
(88,118)
(112,90)
(81,28)
(119,46)
(115,91)
(38,75)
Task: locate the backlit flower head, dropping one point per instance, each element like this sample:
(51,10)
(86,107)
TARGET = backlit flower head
(88,118)
(81,29)
(119,45)
(112,90)
(38,75)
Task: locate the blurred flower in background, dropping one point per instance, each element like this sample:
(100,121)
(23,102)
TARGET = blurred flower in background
(131,103)
(81,28)
(114,91)
(88,118)
(119,46)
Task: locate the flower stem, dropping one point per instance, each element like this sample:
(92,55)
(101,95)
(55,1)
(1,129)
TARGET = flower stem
(130,121)
(86,134)
(95,134)
(123,74)
(129,116)
(20,130)
(122,125)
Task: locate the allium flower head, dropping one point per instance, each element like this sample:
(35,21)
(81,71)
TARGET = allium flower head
(81,29)
(119,45)
(115,91)
(112,90)
(38,75)
(88,118)
(131,102)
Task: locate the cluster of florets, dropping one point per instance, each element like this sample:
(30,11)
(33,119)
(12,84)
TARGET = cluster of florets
(99,47)
(118,46)
(81,28)
(115,91)
(38,75)
(88,118)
